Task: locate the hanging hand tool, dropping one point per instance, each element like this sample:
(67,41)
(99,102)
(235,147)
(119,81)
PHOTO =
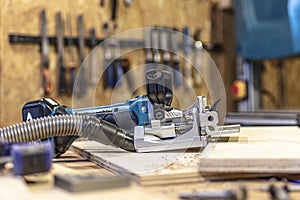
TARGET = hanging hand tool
(117,67)
(46,81)
(187,47)
(155,46)
(80,87)
(60,56)
(117,71)
(114,8)
(147,46)
(175,57)
(71,64)
(163,33)
(108,68)
(125,63)
(93,69)
(197,57)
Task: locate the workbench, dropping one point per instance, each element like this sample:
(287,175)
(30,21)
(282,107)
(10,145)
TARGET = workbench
(40,186)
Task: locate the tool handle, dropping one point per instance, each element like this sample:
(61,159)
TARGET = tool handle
(70,42)
(59,48)
(174,40)
(80,87)
(187,47)
(163,39)
(177,81)
(164,48)
(114,7)
(117,73)
(155,45)
(159,87)
(46,81)
(147,46)
(93,63)
(198,47)
(129,78)
(109,76)
(81,41)
(108,67)
(173,36)
(118,70)
(62,79)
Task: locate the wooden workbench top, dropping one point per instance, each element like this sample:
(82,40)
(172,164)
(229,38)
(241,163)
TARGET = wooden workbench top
(41,186)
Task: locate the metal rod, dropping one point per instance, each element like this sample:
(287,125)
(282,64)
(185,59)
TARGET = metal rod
(36,39)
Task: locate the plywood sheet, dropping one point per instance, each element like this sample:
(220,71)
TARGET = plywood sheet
(267,150)
(255,151)
(145,168)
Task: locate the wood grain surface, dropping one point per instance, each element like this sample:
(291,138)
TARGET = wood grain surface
(20,79)
(255,151)
(40,186)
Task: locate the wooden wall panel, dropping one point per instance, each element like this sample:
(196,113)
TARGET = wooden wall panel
(20,79)
(271,82)
(20,63)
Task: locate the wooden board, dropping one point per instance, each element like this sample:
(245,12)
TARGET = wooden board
(144,168)
(267,150)
(255,151)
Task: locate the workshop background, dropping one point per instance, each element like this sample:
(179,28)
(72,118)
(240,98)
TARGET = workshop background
(20,64)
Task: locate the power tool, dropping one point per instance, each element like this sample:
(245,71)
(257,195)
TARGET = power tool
(146,123)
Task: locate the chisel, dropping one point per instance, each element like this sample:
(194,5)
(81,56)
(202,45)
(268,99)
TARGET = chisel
(114,7)
(59,48)
(108,71)
(197,58)
(175,57)
(46,81)
(81,84)
(93,71)
(71,64)
(147,45)
(117,67)
(187,48)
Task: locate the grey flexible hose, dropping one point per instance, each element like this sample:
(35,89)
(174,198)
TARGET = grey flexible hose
(85,126)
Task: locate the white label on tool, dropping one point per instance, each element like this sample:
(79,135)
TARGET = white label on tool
(29,117)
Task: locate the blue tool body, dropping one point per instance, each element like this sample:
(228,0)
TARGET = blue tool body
(138,109)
